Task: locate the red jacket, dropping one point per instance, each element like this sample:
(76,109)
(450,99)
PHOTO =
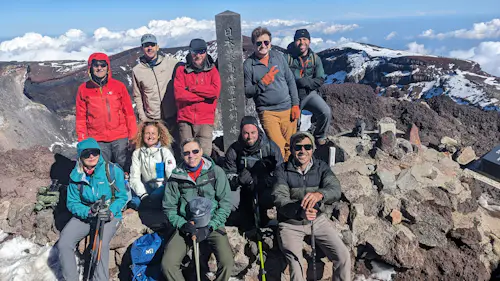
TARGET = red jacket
(104,113)
(196,92)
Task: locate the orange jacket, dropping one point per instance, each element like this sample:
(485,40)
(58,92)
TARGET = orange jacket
(104,112)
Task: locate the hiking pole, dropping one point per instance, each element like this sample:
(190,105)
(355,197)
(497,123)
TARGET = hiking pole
(96,245)
(313,247)
(196,250)
(259,236)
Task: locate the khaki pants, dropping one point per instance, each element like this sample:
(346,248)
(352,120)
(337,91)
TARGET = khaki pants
(279,128)
(292,236)
(202,132)
(178,247)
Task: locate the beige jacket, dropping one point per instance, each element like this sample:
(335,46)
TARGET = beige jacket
(153,89)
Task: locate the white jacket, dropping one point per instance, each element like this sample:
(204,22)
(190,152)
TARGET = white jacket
(143,169)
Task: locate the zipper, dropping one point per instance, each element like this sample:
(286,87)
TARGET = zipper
(109,110)
(105,101)
(157,84)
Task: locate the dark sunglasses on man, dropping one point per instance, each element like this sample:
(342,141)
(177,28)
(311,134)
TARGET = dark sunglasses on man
(198,52)
(194,151)
(101,63)
(259,43)
(90,151)
(149,44)
(298,147)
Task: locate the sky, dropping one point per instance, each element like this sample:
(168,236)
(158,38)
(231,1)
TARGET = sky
(35,30)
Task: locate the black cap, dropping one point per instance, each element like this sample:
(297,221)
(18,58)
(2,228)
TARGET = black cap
(300,33)
(197,45)
(249,120)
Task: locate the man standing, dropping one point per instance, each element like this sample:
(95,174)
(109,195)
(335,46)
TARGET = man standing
(153,86)
(249,164)
(270,82)
(309,76)
(304,185)
(197,88)
(197,176)
(104,111)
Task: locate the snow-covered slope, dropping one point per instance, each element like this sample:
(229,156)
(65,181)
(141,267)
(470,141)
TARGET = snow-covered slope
(411,76)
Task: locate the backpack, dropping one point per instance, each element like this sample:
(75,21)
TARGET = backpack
(146,254)
(290,60)
(110,174)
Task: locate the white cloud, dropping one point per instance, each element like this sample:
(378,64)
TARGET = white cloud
(414,47)
(391,35)
(487,54)
(76,45)
(479,30)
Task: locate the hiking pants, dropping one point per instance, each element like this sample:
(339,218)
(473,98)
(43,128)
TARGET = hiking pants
(321,112)
(173,128)
(177,249)
(115,151)
(291,239)
(279,128)
(202,132)
(74,231)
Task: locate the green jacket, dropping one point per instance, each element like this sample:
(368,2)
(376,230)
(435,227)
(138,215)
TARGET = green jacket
(181,189)
(94,186)
(308,71)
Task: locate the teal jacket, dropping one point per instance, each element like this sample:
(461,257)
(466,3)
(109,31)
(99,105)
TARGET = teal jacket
(95,187)
(181,189)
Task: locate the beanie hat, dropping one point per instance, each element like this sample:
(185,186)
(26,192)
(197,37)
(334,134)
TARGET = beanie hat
(197,45)
(295,137)
(300,33)
(148,38)
(249,120)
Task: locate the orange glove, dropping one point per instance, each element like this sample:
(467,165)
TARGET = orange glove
(268,78)
(295,112)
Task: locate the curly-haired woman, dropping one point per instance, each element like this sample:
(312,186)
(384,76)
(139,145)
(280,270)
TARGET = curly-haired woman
(152,163)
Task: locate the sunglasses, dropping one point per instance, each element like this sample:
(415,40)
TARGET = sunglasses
(195,151)
(149,44)
(259,43)
(90,151)
(100,63)
(198,52)
(298,147)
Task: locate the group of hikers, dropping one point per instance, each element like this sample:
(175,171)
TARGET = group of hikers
(171,168)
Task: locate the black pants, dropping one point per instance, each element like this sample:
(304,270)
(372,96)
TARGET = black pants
(115,151)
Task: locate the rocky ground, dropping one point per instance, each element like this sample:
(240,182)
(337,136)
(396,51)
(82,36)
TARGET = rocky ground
(404,207)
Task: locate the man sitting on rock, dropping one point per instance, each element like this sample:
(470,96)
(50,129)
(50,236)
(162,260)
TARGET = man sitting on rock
(304,185)
(196,180)
(309,76)
(249,164)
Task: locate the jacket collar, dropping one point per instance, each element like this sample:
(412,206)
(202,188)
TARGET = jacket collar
(144,62)
(290,166)
(256,60)
(208,64)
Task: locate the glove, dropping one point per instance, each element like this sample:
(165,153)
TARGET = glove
(268,78)
(134,203)
(203,233)
(188,229)
(94,208)
(295,112)
(104,215)
(269,163)
(245,178)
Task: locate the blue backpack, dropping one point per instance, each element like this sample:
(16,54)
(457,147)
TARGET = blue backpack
(146,254)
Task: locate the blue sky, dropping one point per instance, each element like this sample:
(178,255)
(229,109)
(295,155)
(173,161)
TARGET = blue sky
(353,20)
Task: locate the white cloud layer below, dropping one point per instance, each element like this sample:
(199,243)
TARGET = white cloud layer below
(76,45)
(487,54)
(481,30)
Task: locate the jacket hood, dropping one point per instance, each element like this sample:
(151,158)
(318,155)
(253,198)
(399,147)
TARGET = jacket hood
(99,56)
(77,174)
(207,65)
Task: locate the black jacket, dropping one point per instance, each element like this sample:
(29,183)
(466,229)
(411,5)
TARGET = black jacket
(236,156)
(291,187)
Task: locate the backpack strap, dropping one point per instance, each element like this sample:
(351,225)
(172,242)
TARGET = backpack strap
(162,156)
(290,60)
(110,174)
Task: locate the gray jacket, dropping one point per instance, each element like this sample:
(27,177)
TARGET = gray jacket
(279,95)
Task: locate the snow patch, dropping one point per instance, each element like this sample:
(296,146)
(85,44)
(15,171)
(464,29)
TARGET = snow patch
(398,73)
(129,79)
(216,134)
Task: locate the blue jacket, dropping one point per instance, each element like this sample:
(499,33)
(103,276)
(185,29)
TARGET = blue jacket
(94,186)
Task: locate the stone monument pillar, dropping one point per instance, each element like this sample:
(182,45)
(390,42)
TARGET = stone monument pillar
(230,57)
